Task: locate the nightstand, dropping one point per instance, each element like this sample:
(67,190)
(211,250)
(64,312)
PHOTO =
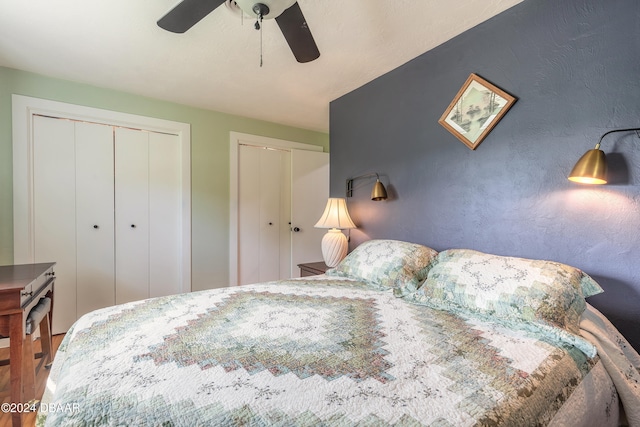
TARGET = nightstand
(312,268)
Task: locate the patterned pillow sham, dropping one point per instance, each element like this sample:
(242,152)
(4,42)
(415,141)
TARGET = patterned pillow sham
(533,294)
(388,264)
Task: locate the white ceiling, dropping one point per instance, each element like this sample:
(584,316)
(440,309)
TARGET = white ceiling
(215,65)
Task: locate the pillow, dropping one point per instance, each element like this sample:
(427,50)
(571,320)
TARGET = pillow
(537,295)
(388,264)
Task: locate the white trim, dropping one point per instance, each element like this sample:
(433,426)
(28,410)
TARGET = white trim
(258,141)
(23,110)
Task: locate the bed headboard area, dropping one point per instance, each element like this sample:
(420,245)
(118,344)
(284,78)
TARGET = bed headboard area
(573,67)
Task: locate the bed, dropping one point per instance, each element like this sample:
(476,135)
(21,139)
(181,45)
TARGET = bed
(397,334)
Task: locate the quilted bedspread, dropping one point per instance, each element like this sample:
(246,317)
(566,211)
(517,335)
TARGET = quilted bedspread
(307,352)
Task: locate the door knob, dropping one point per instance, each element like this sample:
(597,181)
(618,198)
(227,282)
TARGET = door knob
(96,226)
(133,226)
(296,229)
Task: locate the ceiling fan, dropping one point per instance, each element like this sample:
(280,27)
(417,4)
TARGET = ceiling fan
(287,14)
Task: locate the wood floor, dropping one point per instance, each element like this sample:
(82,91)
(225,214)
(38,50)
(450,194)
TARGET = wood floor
(29,419)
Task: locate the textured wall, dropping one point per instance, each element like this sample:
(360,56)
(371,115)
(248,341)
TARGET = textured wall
(574,67)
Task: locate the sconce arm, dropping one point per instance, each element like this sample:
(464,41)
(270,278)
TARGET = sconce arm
(636,130)
(350,182)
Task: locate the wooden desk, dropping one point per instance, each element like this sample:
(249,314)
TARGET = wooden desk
(21,287)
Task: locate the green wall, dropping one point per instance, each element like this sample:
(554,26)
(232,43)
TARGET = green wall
(209,160)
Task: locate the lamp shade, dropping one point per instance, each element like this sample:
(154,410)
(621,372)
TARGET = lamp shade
(335,215)
(591,168)
(379,192)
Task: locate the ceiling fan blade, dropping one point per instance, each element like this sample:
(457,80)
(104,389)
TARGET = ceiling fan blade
(186,14)
(296,32)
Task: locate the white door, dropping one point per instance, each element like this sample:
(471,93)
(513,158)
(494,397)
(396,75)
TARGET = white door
(73,219)
(170,163)
(309,194)
(148,214)
(94,218)
(108,210)
(263,242)
(262,186)
(54,221)
(132,215)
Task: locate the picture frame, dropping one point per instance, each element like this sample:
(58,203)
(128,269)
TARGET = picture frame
(476,110)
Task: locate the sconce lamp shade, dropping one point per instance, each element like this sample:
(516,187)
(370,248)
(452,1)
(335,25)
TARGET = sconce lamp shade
(591,168)
(378,192)
(334,243)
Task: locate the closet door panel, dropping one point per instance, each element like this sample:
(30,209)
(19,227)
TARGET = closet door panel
(286,226)
(263,214)
(132,214)
(165,219)
(94,216)
(270,189)
(248,214)
(54,210)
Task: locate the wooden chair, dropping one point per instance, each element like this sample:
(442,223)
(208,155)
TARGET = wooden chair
(38,316)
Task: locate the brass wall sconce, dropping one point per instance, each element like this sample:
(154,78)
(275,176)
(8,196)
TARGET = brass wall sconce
(592,166)
(377,193)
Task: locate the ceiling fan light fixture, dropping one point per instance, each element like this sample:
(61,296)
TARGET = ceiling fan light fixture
(275,7)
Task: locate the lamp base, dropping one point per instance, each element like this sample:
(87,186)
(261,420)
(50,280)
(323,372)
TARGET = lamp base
(334,247)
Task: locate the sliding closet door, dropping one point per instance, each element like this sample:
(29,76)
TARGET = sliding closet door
(94,217)
(132,214)
(54,216)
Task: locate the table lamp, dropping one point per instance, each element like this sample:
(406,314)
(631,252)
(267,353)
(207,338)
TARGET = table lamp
(334,243)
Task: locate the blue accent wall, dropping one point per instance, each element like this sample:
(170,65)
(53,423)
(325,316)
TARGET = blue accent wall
(574,66)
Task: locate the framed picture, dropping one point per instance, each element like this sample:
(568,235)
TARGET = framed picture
(476,109)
